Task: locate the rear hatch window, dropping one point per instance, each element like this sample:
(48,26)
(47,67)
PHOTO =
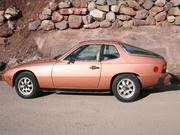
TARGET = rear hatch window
(138,51)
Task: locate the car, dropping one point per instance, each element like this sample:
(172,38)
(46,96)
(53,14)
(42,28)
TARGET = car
(97,65)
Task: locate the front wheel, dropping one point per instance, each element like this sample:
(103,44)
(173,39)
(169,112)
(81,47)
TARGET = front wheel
(126,87)
(26,85)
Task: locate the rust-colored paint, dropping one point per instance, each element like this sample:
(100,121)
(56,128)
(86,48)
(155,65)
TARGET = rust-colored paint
(78,75)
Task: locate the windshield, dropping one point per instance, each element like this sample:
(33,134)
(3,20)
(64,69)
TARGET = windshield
(139,51)
(58,56)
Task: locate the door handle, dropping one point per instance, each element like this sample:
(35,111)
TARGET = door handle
(94,67)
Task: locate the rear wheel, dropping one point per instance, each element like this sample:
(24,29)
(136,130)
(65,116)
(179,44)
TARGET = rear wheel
(26,85)
(126,87)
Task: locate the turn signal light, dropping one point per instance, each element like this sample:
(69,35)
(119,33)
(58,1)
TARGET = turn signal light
(156,69)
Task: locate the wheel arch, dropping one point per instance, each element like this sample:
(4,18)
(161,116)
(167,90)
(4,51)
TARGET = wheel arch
(125,73)
(19,72)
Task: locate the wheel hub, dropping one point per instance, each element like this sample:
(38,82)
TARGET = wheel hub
(126,88)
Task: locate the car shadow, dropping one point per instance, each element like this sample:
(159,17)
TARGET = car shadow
(85,93)
(43,94)
(173,86)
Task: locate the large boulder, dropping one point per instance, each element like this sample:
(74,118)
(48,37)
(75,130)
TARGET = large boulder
(97,14)
(174,11)
(87,19)
(44,17)
(124,17)
(91,6)
(64,5)
(62,25)
(154,10)
(104,8)
(12,13)
(141,14)
(75,21)
(171,19)
(56,17)
(53,5)
(160,17)
(110,16)
(34,25)
(140,2)
(175,2)
(148,4)
(73,11)
(133,4)
(115,8)
(168,6)
(127,11)
(47,11)
(111,2)
(101,2)
(160,3)
(47,25)
(79,3)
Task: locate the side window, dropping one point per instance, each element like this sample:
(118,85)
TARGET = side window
(110,52)
(86,53)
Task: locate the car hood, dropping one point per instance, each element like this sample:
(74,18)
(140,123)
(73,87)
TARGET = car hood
(35,63)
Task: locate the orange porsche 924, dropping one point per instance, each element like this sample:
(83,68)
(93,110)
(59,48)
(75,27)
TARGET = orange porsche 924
(92,65)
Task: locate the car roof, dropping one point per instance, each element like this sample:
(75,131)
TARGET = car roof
(99,42)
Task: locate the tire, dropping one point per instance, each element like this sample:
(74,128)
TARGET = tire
(126,87)
(26,85)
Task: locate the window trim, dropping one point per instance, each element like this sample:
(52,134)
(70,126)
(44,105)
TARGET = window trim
(102,53)
(86,60)
(139,55)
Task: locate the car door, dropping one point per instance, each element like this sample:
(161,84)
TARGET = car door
(80,70)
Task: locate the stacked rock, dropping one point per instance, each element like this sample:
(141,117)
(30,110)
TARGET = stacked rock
(105,13)
(8,19)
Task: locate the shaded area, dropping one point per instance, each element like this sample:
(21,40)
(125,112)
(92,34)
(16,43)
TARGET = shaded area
(174,86)
(2,66)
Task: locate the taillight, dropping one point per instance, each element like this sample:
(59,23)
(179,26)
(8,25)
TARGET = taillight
(156,69)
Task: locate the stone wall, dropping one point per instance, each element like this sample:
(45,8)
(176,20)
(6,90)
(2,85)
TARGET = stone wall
(88,14)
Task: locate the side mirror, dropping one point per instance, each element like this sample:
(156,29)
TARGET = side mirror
(71,60)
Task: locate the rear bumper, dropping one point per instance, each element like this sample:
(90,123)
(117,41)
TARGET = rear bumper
(165,79)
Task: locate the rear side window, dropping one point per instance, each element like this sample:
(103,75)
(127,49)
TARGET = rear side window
(110,52)
(139,51)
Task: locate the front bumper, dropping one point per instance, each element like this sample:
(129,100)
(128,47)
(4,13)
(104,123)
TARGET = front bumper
(7,79)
